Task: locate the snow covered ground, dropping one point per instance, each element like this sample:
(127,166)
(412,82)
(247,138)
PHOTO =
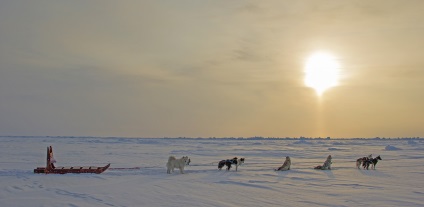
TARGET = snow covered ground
(397,181)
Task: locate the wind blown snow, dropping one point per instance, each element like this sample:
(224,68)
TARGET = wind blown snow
(397,180)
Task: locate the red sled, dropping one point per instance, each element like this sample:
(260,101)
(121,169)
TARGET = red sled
(52,169)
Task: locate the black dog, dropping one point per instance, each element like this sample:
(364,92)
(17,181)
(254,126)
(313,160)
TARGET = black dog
(229,162)
(372,161)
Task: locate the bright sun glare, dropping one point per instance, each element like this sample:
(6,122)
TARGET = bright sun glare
(322,72)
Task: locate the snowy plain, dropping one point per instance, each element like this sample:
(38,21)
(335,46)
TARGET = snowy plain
(397,181)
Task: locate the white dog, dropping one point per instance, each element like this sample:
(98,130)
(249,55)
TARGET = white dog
(286,165)
(326,165)
(177,163)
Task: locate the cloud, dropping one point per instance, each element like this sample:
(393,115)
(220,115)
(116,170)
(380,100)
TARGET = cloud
(154,68)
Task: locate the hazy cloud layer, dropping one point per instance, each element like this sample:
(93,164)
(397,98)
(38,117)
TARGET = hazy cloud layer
(209,68)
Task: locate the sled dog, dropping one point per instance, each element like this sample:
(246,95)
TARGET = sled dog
(177,163)
(326,165)
(362,160)
(237,162)
(285,166)
(372,162)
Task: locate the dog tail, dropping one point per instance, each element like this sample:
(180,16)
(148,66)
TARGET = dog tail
(171,158)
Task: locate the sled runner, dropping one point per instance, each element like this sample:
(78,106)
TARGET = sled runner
(52,169)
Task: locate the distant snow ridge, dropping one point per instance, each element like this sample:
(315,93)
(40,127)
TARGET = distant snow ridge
(391,148)
(336,148)
(412,142)
(339,143)
(302,141)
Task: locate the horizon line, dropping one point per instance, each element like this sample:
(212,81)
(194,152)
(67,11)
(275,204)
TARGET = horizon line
(233,138)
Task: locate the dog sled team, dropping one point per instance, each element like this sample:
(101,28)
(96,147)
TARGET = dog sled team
(367,161)
(182,162)
(235,161)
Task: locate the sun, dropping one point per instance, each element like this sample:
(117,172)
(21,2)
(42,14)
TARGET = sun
(321,72)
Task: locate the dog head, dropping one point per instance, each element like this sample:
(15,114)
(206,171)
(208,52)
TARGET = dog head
(288,158)
(186,160)
(329,157)
(378,157)
(241,160)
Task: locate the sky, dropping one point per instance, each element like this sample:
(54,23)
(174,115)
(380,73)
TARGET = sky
(212,68)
